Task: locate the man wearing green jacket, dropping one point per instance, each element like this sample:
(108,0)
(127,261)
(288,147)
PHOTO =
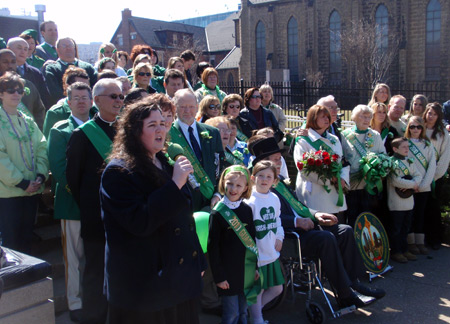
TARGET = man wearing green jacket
(66,209)
(54,72)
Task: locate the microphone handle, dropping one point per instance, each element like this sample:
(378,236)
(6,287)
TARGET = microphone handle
(193,182)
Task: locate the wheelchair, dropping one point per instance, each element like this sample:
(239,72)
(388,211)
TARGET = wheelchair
(302,276)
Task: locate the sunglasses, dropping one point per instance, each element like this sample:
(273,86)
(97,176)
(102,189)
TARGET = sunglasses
(416,127)
(256,97)
(144,73)
(234,107)
(12,91)
(214,107)
(114,96)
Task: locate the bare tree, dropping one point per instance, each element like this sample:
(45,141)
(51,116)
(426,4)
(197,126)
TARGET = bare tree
(368,52)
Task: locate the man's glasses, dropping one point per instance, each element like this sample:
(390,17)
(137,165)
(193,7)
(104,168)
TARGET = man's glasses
(214,107)
(144,73)
(114,96)
(12,91)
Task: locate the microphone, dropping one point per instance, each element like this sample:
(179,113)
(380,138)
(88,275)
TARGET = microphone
(175,151)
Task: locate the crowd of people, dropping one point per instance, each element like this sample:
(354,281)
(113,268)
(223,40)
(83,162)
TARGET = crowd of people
(137,152)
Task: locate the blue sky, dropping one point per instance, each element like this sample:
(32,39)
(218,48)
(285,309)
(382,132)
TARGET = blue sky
(96,21)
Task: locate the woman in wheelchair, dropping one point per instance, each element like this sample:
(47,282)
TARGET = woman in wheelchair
(322,237)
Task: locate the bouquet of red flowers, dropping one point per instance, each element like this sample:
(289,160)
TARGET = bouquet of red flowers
(327,167)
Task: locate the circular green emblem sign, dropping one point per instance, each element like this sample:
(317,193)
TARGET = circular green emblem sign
(372,242)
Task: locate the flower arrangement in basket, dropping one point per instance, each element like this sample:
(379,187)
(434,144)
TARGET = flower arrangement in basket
(327,167)
(373,168)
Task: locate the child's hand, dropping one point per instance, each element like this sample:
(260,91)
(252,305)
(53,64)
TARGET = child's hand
(223,285)
(278,245)
(256,275)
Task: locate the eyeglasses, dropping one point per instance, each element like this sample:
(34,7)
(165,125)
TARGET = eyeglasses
(12,91)
(84,98)
(416,127)
(214,107)
(144,73)
(334,109)
(114,96)
(225,130)
(256,97)
(234,107)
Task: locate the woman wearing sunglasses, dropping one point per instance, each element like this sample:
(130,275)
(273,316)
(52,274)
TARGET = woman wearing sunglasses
(23,166)
(254,116)
(209,107)
(422,152)
(142,75)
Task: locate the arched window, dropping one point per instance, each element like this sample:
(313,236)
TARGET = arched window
(260,52)
(292,34)
(382,27)
(433,41)
(335,48)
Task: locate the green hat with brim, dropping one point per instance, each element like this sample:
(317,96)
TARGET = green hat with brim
(32,32)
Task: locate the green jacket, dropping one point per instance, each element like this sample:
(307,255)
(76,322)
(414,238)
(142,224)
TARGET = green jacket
(53,74)
(13,171)
(158,84)
(36,61)
(60,111)
(65,205)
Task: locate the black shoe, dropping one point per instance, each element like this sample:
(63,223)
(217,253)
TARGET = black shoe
(356,299)
(75,315)
(368,291)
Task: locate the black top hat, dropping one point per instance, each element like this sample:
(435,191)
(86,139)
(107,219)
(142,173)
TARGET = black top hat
(265,148)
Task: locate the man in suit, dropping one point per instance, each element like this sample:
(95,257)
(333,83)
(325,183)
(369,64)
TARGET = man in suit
(204,142)
(322,237)
(47,49)
(53,73)
(87,149)
(20,47)
(205,145)
(66,209)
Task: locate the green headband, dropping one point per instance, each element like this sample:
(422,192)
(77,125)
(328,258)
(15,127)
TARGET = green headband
(237,168)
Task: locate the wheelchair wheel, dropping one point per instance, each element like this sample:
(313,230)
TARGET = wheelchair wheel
(315,313)
(280,298)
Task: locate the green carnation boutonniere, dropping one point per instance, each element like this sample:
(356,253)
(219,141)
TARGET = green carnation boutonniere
(246,151)
(238,155)
(390,135)
(26,91)
(410,160)
(205,135)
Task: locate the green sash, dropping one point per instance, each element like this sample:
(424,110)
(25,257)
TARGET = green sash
(296,205)
(232,159)
(384,133)
(50,49)
(241,136)
(98,138)
(402,166)
(318,145)
(353,139)
(206,186)
(418,155)
(251,287)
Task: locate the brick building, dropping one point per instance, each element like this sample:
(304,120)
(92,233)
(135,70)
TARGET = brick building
(289,40)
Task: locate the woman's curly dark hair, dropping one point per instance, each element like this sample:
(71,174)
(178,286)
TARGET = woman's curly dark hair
(128,145)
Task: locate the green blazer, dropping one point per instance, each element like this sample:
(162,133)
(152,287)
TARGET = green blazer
(211,148)
(65,205)
(60,111)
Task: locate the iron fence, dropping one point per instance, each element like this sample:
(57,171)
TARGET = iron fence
(296,97)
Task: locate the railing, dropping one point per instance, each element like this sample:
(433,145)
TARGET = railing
(296,97)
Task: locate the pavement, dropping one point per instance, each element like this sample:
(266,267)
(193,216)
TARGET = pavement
(417,292)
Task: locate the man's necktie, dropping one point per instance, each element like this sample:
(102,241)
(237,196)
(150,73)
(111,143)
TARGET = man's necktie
(195,146)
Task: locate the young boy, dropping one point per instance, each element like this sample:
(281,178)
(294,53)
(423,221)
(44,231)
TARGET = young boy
(405,177)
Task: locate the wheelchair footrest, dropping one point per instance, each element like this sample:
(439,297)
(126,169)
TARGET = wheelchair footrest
(344,311)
